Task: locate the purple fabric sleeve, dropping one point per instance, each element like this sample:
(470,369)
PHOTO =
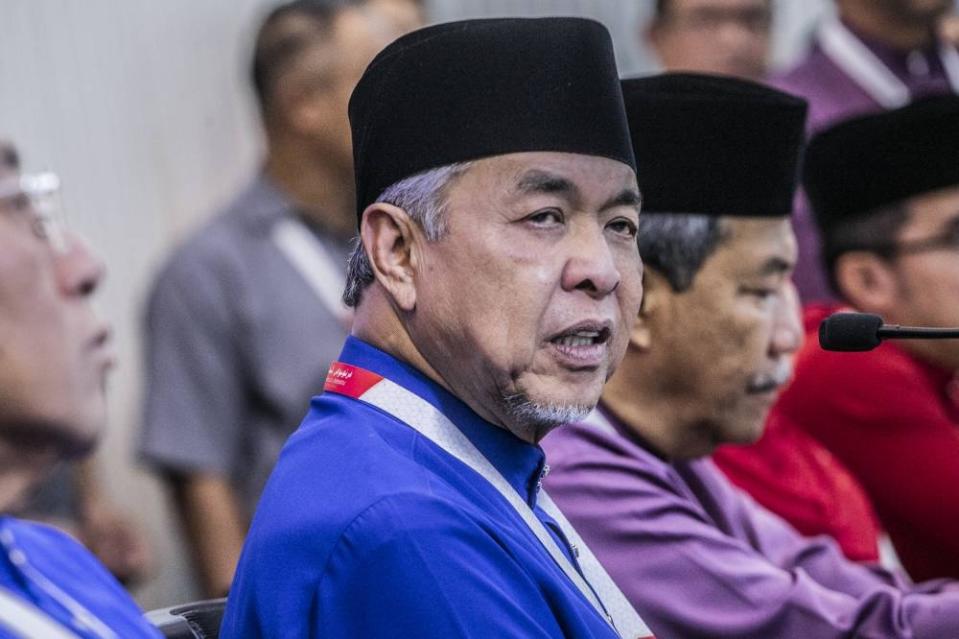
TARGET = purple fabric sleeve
(700,559)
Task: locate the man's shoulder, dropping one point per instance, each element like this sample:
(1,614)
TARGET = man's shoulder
(345,459)
(224,240)
(70,566)
(586,449)
(36,537)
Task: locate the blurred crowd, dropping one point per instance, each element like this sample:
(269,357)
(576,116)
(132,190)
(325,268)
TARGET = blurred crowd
(840,471)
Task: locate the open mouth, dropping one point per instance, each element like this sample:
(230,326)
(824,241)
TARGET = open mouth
(582,337)
(582,346)
(769,383)
(763,387)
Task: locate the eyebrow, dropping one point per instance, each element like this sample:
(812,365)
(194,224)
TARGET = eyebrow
(775,266)
(537,181)
(626,197)
(542,182)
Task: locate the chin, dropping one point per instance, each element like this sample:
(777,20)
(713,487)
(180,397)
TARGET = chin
(79,436)
(746,431)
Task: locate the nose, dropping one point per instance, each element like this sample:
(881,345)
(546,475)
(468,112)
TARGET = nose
(735,34)
(79,271)
(592,267)
(787,333)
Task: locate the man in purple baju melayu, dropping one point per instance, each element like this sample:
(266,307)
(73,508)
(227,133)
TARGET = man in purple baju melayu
(714,343)
(874,55)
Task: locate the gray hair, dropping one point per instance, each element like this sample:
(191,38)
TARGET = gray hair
(423,197)
(677,244)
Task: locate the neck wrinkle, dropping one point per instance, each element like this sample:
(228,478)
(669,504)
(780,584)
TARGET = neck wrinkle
(658,418)
(377,323)
(20,472)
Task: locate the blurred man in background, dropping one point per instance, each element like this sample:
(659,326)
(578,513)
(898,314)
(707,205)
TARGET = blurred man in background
(885,191)
(713,345)
(877,54)
(72,496)
(731,37)
(229,370)
(54,357)
(874,55)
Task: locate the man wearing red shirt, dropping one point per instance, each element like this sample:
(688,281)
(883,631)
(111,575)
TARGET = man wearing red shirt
(885,192)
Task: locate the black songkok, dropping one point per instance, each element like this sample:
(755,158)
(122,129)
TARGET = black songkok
(714,145)
(467,90)
(876,160)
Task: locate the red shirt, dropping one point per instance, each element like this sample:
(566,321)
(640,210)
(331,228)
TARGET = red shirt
(793,475)
(890,418)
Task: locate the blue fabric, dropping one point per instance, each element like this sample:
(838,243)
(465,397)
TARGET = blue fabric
(368,529)
(73,570)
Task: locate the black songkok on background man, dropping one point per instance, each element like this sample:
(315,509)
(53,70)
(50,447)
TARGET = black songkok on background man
(495,283)
(705,362)
(885,192)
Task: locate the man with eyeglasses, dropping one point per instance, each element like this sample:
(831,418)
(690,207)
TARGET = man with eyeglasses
(54,357)
(730,37)
(885,192)
(870,56)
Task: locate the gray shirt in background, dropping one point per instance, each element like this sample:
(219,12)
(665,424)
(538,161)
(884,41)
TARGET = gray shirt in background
(237,342)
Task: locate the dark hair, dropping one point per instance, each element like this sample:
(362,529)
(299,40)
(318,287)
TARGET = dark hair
(874,232)
(662,8)
(9,157)
(676,245)
(286,32)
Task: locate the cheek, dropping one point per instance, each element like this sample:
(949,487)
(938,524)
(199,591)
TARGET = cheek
(742,341)
(934,286)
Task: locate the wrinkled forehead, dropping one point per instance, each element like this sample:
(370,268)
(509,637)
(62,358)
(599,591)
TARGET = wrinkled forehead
(758,246)
(590,179)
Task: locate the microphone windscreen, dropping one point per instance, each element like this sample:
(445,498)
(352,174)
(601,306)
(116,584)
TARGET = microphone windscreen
(850,332)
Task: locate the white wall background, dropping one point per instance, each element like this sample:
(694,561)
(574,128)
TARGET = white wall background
(143,109)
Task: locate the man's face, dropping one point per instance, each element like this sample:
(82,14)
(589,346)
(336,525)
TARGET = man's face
(53,349)
(714,36)
(525,305)
(927,282)
(336,65)
(726,344)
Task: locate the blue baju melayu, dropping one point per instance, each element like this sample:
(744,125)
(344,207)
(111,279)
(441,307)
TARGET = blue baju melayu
(368,528)
(52,587)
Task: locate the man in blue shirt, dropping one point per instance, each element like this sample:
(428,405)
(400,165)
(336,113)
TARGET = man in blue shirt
(54,356)
(495,284)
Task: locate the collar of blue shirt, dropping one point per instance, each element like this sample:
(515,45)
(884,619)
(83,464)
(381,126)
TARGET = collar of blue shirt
(520,463)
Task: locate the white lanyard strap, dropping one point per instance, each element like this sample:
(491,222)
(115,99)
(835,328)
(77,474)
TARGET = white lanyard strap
(81,617)
(23,619)
(313,262)
(857,61)
(423,417)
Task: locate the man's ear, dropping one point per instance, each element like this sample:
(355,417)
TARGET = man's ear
(655,290)
(389,237)
(866,281)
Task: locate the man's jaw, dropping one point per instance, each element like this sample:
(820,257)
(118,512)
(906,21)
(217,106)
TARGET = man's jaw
(531,420)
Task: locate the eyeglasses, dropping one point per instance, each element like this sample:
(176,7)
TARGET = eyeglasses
(948,240)
(38,196)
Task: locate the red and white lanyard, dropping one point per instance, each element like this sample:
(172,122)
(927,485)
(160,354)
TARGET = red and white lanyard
(419,414)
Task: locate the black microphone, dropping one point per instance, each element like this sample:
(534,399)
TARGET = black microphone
(854,332)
